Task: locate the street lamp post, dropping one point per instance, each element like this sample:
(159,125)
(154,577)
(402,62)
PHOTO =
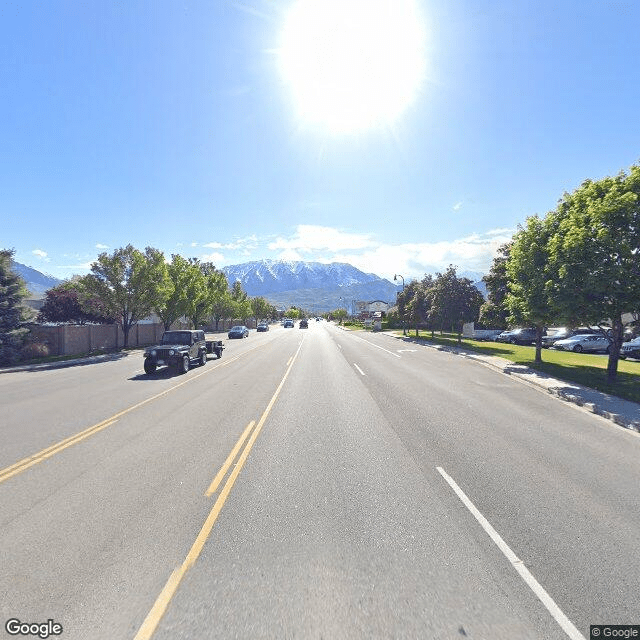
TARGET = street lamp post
(395,277)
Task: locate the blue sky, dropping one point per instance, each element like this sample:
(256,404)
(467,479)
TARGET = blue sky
(175,125)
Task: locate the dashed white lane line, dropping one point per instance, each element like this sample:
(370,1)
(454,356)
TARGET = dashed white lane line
(362,373)
(567,626)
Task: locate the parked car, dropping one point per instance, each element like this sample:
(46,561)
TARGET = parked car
(288,324)
(518,336)
(584,342)
(304,323)
(562,334)
(263,326)
(239,331)
(631,349)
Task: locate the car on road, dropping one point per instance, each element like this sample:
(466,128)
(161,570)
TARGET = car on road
(518,336)
(631,349)
(288,324)
(584,342)
(304,323)
(239,331)
(263,326)
(177,349)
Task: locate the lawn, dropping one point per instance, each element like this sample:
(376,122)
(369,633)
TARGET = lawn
(588,370)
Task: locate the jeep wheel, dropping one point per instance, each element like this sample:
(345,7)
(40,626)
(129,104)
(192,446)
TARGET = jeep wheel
(184,364)
(149,367)
(203,358)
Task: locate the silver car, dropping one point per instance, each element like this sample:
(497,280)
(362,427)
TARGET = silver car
(586,342)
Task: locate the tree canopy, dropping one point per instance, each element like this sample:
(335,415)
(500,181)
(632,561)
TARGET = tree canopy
(13,314)
(130,283)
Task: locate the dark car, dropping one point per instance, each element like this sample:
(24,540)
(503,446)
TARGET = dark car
(239,331)
(288,324)
(263,326)
(631,349)
(304,323)
(518,336)
(177,349)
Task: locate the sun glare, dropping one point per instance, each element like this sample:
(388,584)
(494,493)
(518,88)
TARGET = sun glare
(352,64)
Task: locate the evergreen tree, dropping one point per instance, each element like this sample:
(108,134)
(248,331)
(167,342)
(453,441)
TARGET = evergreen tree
(13,314)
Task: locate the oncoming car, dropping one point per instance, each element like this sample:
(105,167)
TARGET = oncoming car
(239,331)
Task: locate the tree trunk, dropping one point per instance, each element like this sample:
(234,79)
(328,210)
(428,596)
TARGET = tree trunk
(539,330)
(614,351)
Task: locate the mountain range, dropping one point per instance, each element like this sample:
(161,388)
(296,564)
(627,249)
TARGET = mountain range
(37,282)
(313,286)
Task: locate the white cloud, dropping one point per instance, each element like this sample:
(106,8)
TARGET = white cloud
(215,257)
(309,238)
(101,246)
(457,206)
(413,259)
(43,255)
(248,243)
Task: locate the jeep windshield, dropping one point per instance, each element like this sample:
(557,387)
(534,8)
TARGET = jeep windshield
(176,337)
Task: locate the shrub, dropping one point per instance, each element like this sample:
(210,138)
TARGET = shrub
(34,350)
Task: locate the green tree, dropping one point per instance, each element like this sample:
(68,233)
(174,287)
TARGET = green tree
(174,305)
(454,301)
(260,308)
(70,302)
(13,314)
(242,304)
(528,271)
(494,311)
(293,313)
(223,308)
(130,284)
(339,314)
(595,253)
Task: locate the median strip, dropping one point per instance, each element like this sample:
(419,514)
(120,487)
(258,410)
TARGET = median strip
(232,456)
(161,604)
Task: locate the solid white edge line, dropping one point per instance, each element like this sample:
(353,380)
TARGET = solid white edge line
(567,626)
(359,369)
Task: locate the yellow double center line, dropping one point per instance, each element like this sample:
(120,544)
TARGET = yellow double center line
(162,602)
(25,463)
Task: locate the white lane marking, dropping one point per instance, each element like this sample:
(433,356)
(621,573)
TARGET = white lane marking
(377,346)
(566,624)
(359,369)
(406,350)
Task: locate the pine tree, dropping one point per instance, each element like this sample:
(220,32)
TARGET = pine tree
(13,315)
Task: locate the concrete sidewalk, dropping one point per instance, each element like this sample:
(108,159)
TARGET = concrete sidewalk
(623,412)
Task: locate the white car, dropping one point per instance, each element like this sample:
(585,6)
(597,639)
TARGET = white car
(585,342)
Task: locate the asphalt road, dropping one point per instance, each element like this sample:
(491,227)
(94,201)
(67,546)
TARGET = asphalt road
(364,489)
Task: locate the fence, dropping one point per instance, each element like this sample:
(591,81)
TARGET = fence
(72,339)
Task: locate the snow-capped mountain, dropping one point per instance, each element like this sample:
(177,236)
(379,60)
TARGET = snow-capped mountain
(310,284)
(272,276)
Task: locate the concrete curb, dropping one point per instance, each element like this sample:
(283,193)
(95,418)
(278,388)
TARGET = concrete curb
(542,381)
(61,364)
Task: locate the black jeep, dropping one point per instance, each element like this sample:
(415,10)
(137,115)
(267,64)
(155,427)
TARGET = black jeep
(177,349)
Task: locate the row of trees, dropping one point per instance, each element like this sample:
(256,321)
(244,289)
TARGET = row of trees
(441,302)
(129,285)
(578,265)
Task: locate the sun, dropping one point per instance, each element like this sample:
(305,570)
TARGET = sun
(352,65)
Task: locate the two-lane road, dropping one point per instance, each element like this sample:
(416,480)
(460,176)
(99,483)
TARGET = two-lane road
(312,483)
